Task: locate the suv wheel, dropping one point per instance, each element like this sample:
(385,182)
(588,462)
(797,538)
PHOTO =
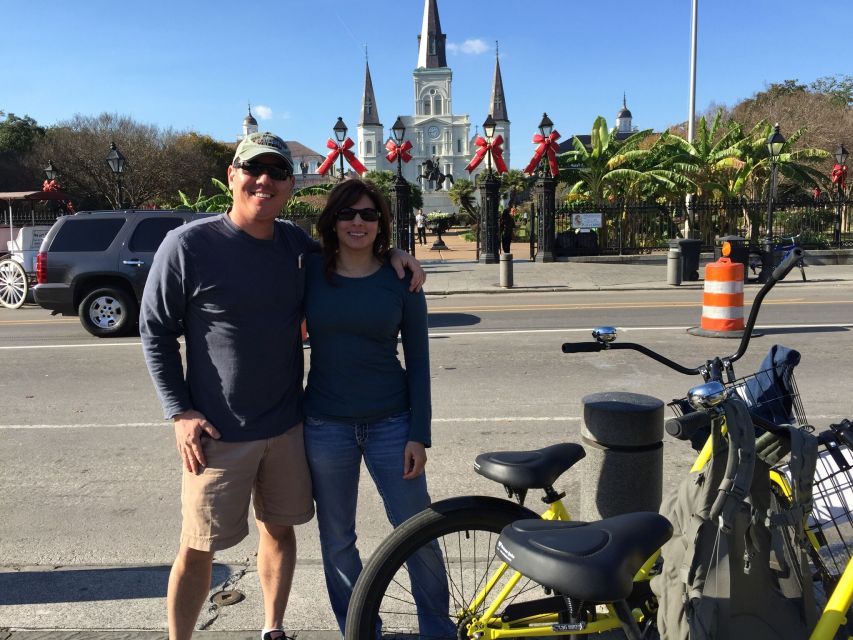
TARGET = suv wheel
(108,313)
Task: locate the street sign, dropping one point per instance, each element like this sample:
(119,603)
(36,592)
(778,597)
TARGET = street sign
(586,220)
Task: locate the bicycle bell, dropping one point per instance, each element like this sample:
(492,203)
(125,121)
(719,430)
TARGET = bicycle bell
(708,395)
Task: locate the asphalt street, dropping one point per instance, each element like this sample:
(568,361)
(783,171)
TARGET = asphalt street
(90,476)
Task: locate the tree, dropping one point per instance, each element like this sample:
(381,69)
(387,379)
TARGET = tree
(384,181)
(160,162)
(513,184)
(17,138)
(610,167)
(462,195)
(707,160)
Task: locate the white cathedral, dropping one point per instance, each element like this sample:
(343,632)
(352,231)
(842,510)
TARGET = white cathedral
(436,133)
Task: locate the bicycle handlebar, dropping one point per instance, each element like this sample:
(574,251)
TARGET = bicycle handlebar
(779,273)
(683,427)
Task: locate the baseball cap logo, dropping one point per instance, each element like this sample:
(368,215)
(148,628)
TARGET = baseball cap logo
(268,140)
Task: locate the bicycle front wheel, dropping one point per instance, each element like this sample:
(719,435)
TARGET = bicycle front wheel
(423,580)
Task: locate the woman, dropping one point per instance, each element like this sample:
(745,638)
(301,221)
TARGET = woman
(360,403)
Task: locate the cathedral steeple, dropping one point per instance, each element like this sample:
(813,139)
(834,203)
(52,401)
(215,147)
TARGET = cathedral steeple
(498,102)
(369,112)
(431,42)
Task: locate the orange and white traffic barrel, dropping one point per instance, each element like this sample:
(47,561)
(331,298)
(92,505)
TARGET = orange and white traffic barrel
(722,301)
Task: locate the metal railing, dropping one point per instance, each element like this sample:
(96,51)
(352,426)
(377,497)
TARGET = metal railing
(632,228)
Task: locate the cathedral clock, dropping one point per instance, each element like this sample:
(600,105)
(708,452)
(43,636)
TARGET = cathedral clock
(433,132)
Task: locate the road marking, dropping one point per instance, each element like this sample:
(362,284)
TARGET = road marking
(160,425)
(616,305)
(447,334)
(51,321)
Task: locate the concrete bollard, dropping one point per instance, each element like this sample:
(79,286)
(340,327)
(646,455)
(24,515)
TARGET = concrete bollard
(622,434)
(506,270)
(673,267)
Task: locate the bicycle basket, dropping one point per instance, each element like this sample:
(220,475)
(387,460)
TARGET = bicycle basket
(830,524)
(770,394)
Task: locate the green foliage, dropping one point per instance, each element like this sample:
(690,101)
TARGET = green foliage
(462,195)
(513,184)
(384,181)
(19,135)
(221,201)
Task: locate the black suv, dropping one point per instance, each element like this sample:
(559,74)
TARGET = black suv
(94,264)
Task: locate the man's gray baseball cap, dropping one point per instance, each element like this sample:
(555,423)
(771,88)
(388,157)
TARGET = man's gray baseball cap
(260,144)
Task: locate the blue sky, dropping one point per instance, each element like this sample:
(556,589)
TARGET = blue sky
(301,63)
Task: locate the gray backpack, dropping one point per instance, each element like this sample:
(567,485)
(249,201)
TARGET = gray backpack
(735,567)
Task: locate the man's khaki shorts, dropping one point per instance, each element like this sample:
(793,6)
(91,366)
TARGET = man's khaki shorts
(215,503)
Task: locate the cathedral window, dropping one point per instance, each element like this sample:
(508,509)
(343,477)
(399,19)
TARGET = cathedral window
(432,45)
(427,106)
(368,147)
(438,105)
(459,145)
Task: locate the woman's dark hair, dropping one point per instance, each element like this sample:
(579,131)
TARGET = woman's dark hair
(344,195)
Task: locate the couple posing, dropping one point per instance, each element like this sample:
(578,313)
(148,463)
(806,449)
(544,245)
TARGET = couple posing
(238,409)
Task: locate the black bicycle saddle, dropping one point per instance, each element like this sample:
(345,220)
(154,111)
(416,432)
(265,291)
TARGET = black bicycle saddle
(594,561)
(535,469)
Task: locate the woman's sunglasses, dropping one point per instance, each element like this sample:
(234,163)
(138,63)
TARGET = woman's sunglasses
(368,215)
(256,170)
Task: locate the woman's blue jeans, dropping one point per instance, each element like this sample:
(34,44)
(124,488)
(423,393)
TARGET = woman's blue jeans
(335,451)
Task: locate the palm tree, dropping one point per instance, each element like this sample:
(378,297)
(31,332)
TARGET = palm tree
(513,184)
(709,158)
(462,195)
(605,164)
(752,175)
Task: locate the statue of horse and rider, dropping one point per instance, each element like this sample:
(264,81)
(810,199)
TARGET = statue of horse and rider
(432,173)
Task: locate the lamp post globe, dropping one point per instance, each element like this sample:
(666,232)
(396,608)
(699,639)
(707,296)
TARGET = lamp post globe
(841,161)
(340,130)
(775,143)
(51,171)
(117,163)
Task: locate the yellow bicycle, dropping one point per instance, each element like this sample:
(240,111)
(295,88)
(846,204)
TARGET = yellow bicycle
(493,596)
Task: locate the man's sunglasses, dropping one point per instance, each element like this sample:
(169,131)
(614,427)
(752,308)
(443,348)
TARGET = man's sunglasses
(368,215)
(276,172)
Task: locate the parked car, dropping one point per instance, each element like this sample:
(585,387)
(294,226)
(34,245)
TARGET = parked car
(93,264)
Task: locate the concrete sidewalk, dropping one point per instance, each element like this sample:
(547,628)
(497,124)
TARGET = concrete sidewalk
(455,270)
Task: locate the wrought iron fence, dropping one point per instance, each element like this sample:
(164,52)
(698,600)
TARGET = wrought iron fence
(630,228)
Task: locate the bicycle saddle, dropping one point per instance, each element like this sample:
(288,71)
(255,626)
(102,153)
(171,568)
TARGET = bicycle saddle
(535,469)
(594,561)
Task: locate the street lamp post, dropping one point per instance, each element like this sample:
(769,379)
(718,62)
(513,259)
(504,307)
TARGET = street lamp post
(117,164)
(841,161)
(402,207)
(774,148)
(489,196)
(545,189)
(340,130)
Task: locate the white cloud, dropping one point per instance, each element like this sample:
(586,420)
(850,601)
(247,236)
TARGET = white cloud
(264,112)
(472,46)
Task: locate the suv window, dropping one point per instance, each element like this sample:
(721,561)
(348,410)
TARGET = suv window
(86,235)
(150,233)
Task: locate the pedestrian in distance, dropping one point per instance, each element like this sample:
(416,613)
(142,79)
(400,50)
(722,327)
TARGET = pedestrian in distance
(237,409)
(360,403)
(506,225)
(420,223)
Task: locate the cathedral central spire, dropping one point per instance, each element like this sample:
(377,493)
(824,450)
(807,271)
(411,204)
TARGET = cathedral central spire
(498,103)
(431,41)
(369,113)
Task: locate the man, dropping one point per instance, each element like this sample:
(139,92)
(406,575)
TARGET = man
(420,223)
(232,285)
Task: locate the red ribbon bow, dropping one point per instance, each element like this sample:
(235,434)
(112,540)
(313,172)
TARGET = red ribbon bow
(336,150)
(546,145)
(839,174)
(50,185)
(398,149)
(494,148)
